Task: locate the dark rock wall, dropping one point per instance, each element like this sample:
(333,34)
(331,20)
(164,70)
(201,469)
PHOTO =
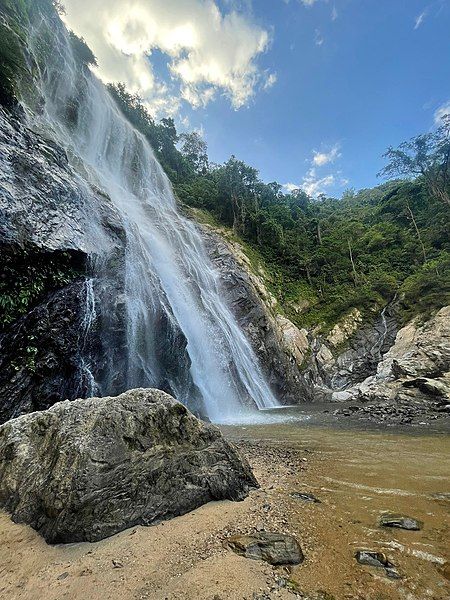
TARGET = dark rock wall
(41,355)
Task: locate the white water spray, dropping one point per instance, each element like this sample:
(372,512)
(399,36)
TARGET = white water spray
(167,270)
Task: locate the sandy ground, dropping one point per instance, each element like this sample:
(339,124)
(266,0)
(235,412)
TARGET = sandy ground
(187,558)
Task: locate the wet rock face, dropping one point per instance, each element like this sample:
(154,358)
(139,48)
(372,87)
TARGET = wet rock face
(87,469)
(42,201)
(412,382)
(278,354)
(333,368)
(45,209)
(418,364)
(40,354)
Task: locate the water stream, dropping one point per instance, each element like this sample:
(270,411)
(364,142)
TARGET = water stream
(168,276)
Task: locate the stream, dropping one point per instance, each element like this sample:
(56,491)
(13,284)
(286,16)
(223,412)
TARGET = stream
(358,474)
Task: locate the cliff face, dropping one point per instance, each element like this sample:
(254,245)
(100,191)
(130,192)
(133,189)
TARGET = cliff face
(71,340)
(43,214)
(67,340)
(278,344)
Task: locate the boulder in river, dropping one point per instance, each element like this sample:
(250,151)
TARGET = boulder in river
(400,522)
(274,548)
(87,469)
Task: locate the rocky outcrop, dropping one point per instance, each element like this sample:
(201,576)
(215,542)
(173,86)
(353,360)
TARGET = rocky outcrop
(43,202)
(274,548)
(84,470)
(277,342)
(349,353)
(412,381)
(419,361)
(46,212)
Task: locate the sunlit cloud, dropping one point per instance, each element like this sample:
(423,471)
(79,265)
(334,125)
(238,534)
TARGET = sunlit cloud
(209,53)
(323,158)
(314,182)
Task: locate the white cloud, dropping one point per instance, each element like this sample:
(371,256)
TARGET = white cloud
(291,187)
(315,185)
(323,158)
(440,112)
(270,81)
(318,37)
(334,14)
(208,52)
(419,19)
(308,2)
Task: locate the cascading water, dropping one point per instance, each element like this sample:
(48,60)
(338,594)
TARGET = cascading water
(168,275)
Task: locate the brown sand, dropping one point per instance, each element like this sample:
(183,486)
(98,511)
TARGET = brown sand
(356,475)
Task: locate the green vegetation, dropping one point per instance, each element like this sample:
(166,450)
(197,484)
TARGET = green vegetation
(16,65)
(27,276)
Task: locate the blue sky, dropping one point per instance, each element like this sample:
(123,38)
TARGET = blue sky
(375,80)
(275,81)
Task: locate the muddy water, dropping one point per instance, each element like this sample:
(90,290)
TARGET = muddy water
(358,475)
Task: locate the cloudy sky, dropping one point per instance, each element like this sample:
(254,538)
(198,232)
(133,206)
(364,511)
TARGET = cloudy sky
(310,92)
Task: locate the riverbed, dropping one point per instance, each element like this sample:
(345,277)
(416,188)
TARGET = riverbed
(356,474)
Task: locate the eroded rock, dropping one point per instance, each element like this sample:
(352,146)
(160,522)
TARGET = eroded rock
(305,497)
(87,469)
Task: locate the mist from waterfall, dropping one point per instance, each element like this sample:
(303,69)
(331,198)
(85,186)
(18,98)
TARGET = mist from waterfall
(166,268)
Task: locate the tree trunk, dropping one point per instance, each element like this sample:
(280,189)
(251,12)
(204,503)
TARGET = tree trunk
(355,276)
(419,237)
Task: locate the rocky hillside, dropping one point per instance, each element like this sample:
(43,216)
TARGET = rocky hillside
(398,371)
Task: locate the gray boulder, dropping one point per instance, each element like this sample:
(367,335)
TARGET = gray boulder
(87,469)
(400,522)
(274,548)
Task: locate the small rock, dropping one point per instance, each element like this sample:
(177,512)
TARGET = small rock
(274,548)
(117,564)
(400,522)
(306,497)
(62,576)
(441,496)
(393,573)
(373,559)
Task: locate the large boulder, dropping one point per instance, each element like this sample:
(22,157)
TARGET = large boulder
(87,469)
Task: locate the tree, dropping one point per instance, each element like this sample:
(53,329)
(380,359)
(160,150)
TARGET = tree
(426,156)
(195,150)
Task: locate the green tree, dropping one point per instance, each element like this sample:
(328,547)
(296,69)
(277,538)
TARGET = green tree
(426,156)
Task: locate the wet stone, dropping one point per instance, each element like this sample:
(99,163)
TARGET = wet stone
(274,548)
(401,522)
(305,497)
(373,559)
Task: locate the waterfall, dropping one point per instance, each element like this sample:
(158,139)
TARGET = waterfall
(168,276)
